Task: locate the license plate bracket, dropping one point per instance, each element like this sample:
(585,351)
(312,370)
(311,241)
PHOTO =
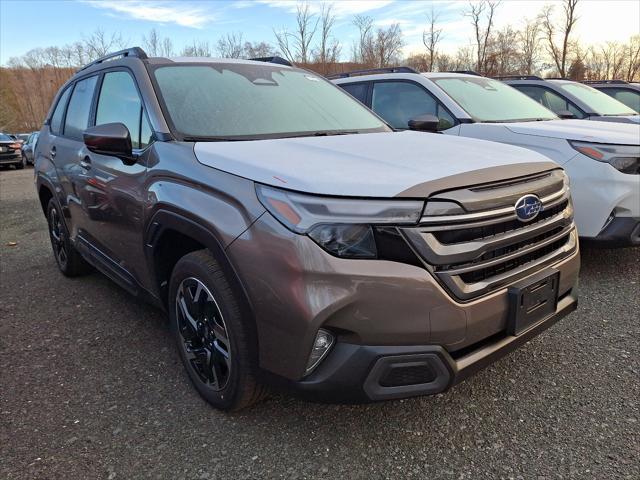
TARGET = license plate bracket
(532,300)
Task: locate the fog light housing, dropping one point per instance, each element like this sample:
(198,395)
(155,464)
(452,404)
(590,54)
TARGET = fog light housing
(321,346)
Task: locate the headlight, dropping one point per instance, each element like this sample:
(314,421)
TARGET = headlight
(342,226)
(625,158)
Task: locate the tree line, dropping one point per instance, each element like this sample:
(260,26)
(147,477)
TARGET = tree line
(542,43)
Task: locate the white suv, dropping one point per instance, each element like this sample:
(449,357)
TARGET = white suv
(601,158)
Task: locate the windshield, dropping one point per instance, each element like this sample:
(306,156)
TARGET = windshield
(599,102)
(247,101)
(5,138)
(488,100)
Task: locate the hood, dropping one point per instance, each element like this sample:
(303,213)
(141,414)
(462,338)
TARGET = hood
(618,118)
(371,165)
(585,130)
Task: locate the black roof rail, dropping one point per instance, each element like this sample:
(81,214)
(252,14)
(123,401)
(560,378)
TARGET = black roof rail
(278,60)
(465,72)
(616,82)
(518,77)
(368,71)
(559,78)
(135,52)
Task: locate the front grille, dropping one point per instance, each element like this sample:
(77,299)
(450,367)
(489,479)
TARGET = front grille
(477,233)
(482,250)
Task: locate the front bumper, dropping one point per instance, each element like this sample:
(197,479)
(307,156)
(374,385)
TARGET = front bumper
(620,232)
(364,373)
(295,288)
(598,191)
(10,159)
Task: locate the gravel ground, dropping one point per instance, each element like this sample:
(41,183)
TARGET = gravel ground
(90,387)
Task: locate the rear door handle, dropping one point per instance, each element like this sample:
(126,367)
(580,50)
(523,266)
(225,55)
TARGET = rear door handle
(52,152)
(85,163)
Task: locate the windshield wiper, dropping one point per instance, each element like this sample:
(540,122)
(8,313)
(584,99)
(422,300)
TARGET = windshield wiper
(216,139)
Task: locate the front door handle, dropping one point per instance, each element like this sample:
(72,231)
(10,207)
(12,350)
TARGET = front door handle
(52,152)
(85,163)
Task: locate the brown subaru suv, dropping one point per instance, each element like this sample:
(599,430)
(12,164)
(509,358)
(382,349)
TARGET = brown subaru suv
(292,237)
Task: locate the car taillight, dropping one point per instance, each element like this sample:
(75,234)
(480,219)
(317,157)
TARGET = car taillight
(15,146)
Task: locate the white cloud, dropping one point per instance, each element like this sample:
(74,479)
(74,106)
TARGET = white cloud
(340,9)
(181,14)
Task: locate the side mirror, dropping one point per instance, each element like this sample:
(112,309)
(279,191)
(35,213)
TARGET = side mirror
(565,114)
(110,139)
(424,123)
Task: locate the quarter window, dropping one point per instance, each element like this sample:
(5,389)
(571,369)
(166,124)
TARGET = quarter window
(58,113)
(77,119)
(357,91)
(399,102)
(120,102)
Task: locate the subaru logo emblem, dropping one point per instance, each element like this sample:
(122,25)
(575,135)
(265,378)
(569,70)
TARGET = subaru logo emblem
(528,208)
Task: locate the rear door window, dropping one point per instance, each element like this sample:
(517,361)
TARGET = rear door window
(399,102)
(77,119)
(58,114)
(120,102)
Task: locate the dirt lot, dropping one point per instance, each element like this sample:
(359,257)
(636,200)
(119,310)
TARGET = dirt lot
(90,387)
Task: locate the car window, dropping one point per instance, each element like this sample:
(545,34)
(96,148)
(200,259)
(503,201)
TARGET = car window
(246,101)
(58,113)
(77,119)
(630,98)
(357,91)
(119,101)
(487,100)
(601,103)
(5,138)
(399,102)
(550,99)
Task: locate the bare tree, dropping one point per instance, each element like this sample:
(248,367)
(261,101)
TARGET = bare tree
(98,44)
(296,45)
(529,40)
(257,50)
(199,49)
(633,58)
(431,37)
(230,45)
(388,45)
(503,57)
(328,49)
(157,46)
(363,49)
(482,33)
(559,53)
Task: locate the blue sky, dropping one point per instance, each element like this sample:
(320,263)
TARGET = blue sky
(43,23)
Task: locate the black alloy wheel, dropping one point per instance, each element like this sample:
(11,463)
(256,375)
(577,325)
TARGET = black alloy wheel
(205,338)
(57,235)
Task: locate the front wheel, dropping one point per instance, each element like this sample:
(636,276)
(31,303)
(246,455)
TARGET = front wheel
(213,338)
(67,257)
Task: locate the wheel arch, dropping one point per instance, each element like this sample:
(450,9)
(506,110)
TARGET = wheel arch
(45,194)
(169,236)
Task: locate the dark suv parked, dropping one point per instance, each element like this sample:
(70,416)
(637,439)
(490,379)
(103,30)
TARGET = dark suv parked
(292,237)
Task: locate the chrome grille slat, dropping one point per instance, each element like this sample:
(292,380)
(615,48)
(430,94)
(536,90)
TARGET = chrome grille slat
(501,214)
(488,263)
(480,251)
(437,253)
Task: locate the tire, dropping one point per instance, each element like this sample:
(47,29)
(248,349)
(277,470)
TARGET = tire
(21,165)
(213,339)
(69,261)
